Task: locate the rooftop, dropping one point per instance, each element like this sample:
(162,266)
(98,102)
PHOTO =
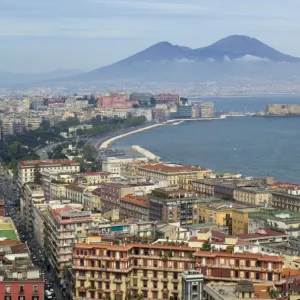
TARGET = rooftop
(224,205)
(31,163)
(279,215)
(261,234)
(75,187)
(163,168)
(136,200)
(9,234)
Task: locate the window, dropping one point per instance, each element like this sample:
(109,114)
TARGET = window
(21,289)
(7,289)
(35,297)
(35,289)
(21,298)
(7,298)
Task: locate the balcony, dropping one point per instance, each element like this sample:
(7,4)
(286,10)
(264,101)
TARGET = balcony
(118,292)
(154,289)
(164,280)
(107,279)
(154,279)
(106,290)
(81,277)
(81,289)
(175,291)
(135,287)
(175,280)
(99,279)
(118,280)
(145,278)
(145,288)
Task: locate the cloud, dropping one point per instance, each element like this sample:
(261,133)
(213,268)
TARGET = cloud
(251,58)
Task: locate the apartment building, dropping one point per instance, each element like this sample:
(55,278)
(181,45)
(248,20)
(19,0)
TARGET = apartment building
(93,178)
(32,194)
(254,196)
(115,165)
(167,98)
(132,206)
(112,192)
(283,200)
(183,210)
(240,220)
(171,174)
(27,170)
(103,271)
(19,279)
(75,192)
(224,266)
(62,223)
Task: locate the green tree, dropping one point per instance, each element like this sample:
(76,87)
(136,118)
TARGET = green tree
(45,125)
(206,246)
(37,175)
(90,152)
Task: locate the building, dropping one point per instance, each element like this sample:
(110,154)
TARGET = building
(240,220)
(184,111)
(29,170)
(218,212)
(8,229)
(283,200)
(75,192)
(116,101)
(19,279)
(104,270)
(183,210)
(207,110)
(155,271)
(264,235)
(167,98)
(233,291)
(254,196)
(192,285)
(93,178)
(136,207)
(32,195)
(62,223)
(111,193)
(115,165)
(170,173)
(286,221)
(233,267)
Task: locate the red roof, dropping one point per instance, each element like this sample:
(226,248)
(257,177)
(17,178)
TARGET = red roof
(257,235)
(95,174)
(74,187)
(136,200)
(169,169)
(60,210)
(31,163)
(285,185)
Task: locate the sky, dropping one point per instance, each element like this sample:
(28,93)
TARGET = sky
(46,35)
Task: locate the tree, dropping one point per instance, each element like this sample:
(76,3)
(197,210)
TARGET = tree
(90,152)
(37,175)
(45,125)
(206,246)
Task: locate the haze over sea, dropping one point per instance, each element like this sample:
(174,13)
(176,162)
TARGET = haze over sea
(257,146)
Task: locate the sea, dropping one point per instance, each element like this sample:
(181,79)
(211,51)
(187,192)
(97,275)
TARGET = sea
(253,146)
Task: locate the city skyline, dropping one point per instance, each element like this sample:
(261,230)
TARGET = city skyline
(87,34)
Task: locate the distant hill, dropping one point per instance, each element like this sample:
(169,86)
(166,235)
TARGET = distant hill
(226,57)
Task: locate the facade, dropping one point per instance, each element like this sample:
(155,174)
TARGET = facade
(62,223)
(192,285)
(207,110)
(167,98)
(27,170)
(240,220)
(169,173)
(116,101)
(222,266)
(111,193)
(75,193)
(285,201)
(103,271)
(32,195)
(254,196)
(93,178)
(183,210)
(132,206)
(115,165)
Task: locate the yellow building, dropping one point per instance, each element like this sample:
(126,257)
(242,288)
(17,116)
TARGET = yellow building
(253,196)
(8,229)
(240,220)
(216,212)
(172,174)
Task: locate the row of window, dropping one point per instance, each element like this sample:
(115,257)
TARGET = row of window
(21,289)
(22,298)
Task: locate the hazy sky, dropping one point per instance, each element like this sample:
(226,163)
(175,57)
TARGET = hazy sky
(44,35)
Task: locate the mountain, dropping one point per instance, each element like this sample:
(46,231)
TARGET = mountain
(235,55)
(13,78)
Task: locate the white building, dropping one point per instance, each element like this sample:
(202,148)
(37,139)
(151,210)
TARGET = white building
(113,164)
(28,170)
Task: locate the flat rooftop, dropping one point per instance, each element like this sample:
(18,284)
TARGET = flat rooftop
(278,215)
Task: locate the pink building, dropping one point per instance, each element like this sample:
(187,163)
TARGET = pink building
(62,224)
(117,101)
(166,98)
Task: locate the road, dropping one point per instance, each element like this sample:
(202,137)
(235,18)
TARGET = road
(12,208)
